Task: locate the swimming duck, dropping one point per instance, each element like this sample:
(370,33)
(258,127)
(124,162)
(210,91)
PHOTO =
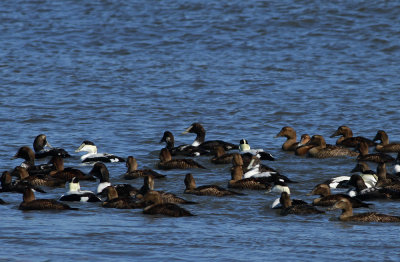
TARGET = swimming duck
(158,207)
(289,208)
(369,176)
(28,155)
(68,173)
(363,193)
(322,150)
(362,147)
(31,203)
(39,145)
(76,194)
(385,146)
(93,156)
(385,180)
(302,147)
(210,145)
(347,214)
(347,139)
(133,172)
(18,186)
(327,199)
(115,201)
(207,190)
(166,161)
(182,150)
(246,151)
(291,141)
(37,180)
(255,183)
(221,157)
(100,171)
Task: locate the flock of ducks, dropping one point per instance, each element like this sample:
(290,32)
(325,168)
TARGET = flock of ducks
(248,172)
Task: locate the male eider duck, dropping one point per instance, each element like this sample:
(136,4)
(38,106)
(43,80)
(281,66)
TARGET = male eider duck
(182,150)
(133,172)
(288,208)
(246,151)
(31,203)
(44,149)
(210,145)
(206,190)
(76,194)
(166,162)
(115,201)
(374,157)
(347,139)
(385,146)
(160,208)
(93,156)
(322,150)
(100,171)
(291,138)
(68,173)
(347,214)
(327,199)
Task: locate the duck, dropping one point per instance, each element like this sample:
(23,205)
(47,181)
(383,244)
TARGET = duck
(385,180)
(166,162)
(347,214)
(289,208)
(43,148)
(327,199)
(246,151)
(374,157)
(76,194)
(100,171)
(28,155)
(291,138)
(254,183)
(206,190)
(209,145)
(369,176)
(362,192)
(115,201)
(160,208)
(133,172)
(347,139)
(182,150)
(18,186)
(36,180)
(302,147)
(221,157)
(321,150)
(337,182)
(68,173)
(279,187)
(31,203)
(385,146)
(93,156)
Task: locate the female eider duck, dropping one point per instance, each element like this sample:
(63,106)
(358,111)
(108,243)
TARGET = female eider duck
(347,139)
(115,201)
(166,162)
(347,214)
(76,194)
(31,203)
(321,150)
(206,190)
(385,146)
(18,186)
(68,173)
(44,149)
(100,171)
(37,180)
(182,150)
(133,172)
(210,145)
(93,156)
(288,208)
(160,208)
(221,157)
(254,183)
(302,147)
(362,147)
(28,155)
(327,199)
(291,138)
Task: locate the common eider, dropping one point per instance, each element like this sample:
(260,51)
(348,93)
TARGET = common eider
(166,162)
(160,208)
(133,172)
(322,150)
(93,156)
(31,203)
(206,190)
(75,193)
(347,139)
(385,146)
(43,148)
(288,208)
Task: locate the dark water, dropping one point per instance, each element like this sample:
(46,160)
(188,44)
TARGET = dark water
(120,73)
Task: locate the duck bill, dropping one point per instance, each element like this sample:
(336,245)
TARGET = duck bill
(80,147)
(335,134)
(187,130)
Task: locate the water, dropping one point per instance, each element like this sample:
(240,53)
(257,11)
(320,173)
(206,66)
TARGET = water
(120,73)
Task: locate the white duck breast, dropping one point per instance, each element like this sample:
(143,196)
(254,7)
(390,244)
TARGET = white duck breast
(93,156)
(76,194)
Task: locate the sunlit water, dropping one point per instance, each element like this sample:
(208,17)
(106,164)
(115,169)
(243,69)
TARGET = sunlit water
(120,73)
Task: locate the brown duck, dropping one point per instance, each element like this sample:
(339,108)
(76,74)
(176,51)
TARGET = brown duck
(321,150)
(291,138)
(207,190)
(374,157)
(133,172)
(253,183)
(347,139)
(166,162)
(160,208)
(31,203)
(288,208)
(115,201)
(68,173)
(385,146)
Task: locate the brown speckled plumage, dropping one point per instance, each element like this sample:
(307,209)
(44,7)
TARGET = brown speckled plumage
(327,199)
(158,207)
(322,150)
(347,139)
(206,190)
(385,146)
(375,157)
(166,162)
(254,183)
(133,172)
(30,203)
(302,209)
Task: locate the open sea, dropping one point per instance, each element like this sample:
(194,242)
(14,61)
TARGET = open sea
(120,73)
